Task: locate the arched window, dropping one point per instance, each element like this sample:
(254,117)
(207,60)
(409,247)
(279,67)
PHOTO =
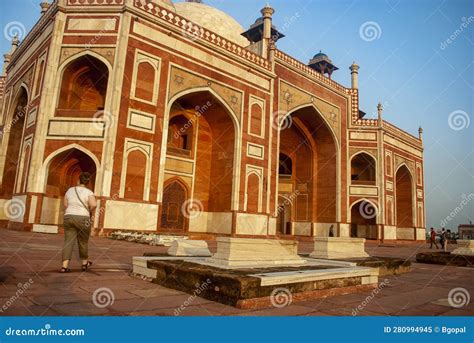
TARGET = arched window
(84,87)
(135,178)
(363,169)
(64,170)
(145,81)
(285,166)
(404,198)
(180,135)
(253,193)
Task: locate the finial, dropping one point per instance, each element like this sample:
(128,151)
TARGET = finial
(379,109)
(15,43)
(267,11)
(420,133)
(44,6)
(15,40)
(354,68)
(6,61)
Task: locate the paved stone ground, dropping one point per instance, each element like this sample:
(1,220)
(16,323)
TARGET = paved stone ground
(25,256)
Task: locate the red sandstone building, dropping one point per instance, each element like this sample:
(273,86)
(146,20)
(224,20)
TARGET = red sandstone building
(193,125)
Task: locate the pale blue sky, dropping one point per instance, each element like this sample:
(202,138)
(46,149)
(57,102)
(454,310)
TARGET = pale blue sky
(410,67)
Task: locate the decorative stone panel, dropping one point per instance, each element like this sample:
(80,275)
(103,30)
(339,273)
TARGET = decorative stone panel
(292,97)
(107,53)
(182,80)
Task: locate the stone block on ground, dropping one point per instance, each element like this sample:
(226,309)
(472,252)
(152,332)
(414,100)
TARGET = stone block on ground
(182,247)
(339,248)
(465,247)
(247,252)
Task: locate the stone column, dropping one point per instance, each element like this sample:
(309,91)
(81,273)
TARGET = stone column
(354,68)
(267,13)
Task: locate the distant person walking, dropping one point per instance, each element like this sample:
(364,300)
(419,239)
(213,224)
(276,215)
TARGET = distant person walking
(80,204)
(444,239)
(433,239)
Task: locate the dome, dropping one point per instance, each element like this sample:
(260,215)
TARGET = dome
(212,19)
(321,55)
(165,3)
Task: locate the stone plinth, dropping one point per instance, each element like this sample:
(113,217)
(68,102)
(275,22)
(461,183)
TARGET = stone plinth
(465,247)
(338,248)
(249,252)
(182,247)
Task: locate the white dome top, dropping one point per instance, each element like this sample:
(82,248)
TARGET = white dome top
(165,3)
(212,19)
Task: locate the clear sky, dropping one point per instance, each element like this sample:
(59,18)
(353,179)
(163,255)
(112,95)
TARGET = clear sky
(415,56)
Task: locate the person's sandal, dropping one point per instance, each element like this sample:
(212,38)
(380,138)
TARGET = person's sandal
(65,270)
(86,266)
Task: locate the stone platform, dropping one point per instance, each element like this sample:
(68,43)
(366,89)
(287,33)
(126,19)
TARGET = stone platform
(446,259)
(25,255)
(386,265)
(250,287)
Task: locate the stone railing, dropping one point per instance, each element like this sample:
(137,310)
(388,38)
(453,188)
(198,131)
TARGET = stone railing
(399,133)
(367,122)
(36,28)
(307,70)
(94,2)
(194,31)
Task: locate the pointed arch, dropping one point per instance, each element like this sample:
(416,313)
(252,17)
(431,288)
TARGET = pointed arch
(237,141)
(175,200)
(46,164)
(327,160)
(12,142)
(76,58)
(312,105)
(364,215)
(363,168)
(405,210)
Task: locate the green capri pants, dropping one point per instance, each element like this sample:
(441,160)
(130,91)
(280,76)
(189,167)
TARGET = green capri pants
(76,228)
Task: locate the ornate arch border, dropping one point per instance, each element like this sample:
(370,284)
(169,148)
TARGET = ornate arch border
(414,207)
(47,161)
(337,145)
(237,143)
(378,217)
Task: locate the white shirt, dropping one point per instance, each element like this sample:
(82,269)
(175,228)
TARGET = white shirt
(74,205)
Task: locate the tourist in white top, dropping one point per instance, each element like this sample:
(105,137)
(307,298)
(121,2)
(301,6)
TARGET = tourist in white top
(79,204)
